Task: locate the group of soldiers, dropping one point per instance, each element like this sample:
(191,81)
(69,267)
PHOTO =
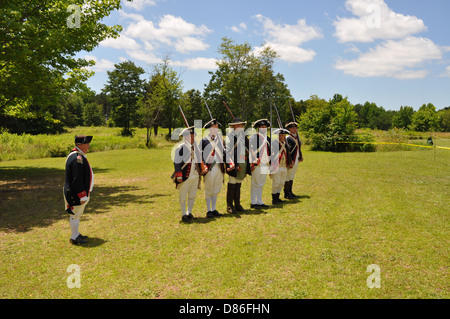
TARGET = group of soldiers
(237,156)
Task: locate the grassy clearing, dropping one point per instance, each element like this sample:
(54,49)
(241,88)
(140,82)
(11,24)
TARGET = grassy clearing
(358,209)
(26,146)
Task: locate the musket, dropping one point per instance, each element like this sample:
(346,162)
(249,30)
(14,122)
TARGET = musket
(209,111)
(184,117)
(278,116)
(292,111)
(293,118)
(231,113)
(201,164)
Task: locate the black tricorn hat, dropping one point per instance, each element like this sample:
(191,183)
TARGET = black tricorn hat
(261,122)
(291,124)
(237,121)
(211,123)
(281,131)
(187,131)
(83,139)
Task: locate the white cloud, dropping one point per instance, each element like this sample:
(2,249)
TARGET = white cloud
(446,73)
(197,63)
(289,34)
(100,66)
(167,28)
(401,59)
(122,42)
(286,39)
(375,20)
(174,31)
(239,29)
(289,53)
(189,44)
(138,4)
(142,40)
(398,54)
(145,56)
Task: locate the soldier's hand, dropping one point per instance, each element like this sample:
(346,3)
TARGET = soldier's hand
(83,201)
(179,179)
(231,167)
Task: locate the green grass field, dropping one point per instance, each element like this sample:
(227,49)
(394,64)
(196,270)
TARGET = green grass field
(356,209)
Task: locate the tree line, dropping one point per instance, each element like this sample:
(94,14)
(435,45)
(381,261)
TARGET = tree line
(43,89)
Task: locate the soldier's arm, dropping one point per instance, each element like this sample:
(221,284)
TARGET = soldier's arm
(77,183)
(178,162)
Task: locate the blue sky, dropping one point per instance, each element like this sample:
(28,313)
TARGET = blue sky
(391,52)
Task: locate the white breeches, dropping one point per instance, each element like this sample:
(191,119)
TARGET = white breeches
(188,191)
(278,180)
(259,176)
(213,182)
(291,172)
(77,210)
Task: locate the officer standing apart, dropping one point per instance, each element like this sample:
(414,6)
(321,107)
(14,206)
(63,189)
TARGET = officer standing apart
(79,182)
(213,155)
(237,164)
(280,164)
(296,157)
(260,162)
(188,168)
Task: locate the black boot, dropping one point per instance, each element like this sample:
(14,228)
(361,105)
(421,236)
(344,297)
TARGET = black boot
(280,201)
(290,190)
(287,193)
(230,197)
(276,199)
(237,198)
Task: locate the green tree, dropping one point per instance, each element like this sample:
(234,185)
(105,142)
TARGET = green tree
(403,117)
(444,116)
(38,47)
(194,107)
(425,119)
(159,107)
(326,123)
(72,110)
(92,114)
(246,81)
(124,88)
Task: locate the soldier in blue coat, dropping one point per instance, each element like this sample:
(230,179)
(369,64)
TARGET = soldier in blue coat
(79,182)
(296,157)
(237,164)
(213,155)
(189,167)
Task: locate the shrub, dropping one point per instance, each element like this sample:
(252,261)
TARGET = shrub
(331,125)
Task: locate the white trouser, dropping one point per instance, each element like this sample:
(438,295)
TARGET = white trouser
(278,180)
(233,180)
(75,218)
(213,185)
(213,182)
(188,191)
(259,175)
(291,172)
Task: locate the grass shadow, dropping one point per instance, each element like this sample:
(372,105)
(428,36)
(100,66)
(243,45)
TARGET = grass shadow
(33,197)
(93,242)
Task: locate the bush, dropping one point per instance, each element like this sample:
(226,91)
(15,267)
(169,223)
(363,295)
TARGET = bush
(331,125)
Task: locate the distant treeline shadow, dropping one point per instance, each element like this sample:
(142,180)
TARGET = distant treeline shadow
(33,197)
